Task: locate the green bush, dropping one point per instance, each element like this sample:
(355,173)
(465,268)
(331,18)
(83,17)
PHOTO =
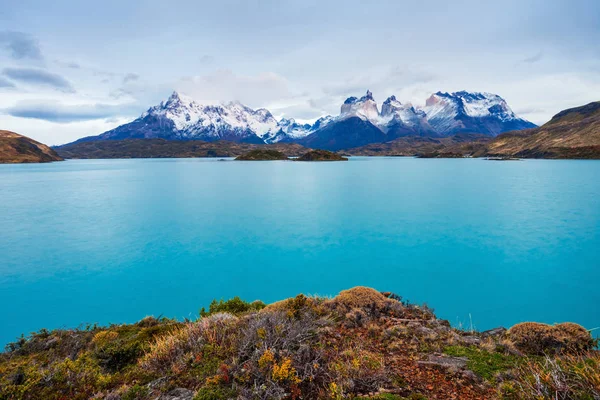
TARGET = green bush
(233,306)
(215,392)
(135,392)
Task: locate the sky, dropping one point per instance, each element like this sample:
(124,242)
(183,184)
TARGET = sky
(70,69)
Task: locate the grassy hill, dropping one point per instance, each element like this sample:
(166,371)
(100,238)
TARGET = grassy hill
(15,148)
(461,144)
(572,133)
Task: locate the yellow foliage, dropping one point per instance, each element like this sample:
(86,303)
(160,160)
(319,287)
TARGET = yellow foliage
(285,372)
(266,359)
(335,391)
(104,337)
(261,332)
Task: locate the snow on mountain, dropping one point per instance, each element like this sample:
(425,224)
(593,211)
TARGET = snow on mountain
(365,108)
(392,109)
(293,129)
(403,119)
(182,118)
(193,120)
(463,111)
(322,122)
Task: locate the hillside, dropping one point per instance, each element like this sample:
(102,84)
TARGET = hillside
(361,344)
(161,148)
(572,133)
(464,144)
(15,148)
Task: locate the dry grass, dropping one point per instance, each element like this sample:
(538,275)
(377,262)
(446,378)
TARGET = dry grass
(174,351)
(563,378)
(360,297)
(538,338)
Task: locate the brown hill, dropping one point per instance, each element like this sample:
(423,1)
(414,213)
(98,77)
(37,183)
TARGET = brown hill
(321,155)
(572,133)
(262,155)
(463,144)
(15,148)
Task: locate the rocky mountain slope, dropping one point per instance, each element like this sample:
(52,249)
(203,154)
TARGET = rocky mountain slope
(15,148)
(572,133)
(485,113)
(361,344)
(360,122)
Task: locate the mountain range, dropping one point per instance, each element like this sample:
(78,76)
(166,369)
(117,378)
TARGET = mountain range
(359,123)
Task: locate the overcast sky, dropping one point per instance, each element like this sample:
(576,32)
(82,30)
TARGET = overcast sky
(77,68)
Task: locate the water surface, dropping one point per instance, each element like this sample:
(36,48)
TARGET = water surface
(112,241)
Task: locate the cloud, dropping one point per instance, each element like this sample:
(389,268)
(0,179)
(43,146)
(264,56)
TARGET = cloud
(207,59)
(534,58)
(130,77)
(20,45)
(57,112)
(68,64)
(223,85)
(381,80)
(5,83)
(39,77)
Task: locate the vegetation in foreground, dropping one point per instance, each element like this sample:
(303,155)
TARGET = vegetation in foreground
(361,344)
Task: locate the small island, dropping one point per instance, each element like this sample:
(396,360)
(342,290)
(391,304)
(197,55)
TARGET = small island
(437,154)
(321,155)
(262,155)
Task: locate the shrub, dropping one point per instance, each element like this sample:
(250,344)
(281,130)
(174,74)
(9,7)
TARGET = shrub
(278,356)
(370,301)
(358,370)
(177,350)
(215,392)
(294,306)
(135,392)
(233,306)
(537,338)
(361,297)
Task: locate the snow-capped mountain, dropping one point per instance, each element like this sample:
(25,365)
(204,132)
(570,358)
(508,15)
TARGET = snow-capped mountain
(293,129)
(359,122)
(404,119)
(444,114)
(212,122)
(365,108)
(450,113)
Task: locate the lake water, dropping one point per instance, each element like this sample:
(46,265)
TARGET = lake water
(112,241)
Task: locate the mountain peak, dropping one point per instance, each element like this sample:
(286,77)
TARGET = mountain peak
(465,111)
(365,108)
(368,96)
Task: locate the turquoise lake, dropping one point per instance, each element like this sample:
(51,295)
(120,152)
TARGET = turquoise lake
(112,241)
